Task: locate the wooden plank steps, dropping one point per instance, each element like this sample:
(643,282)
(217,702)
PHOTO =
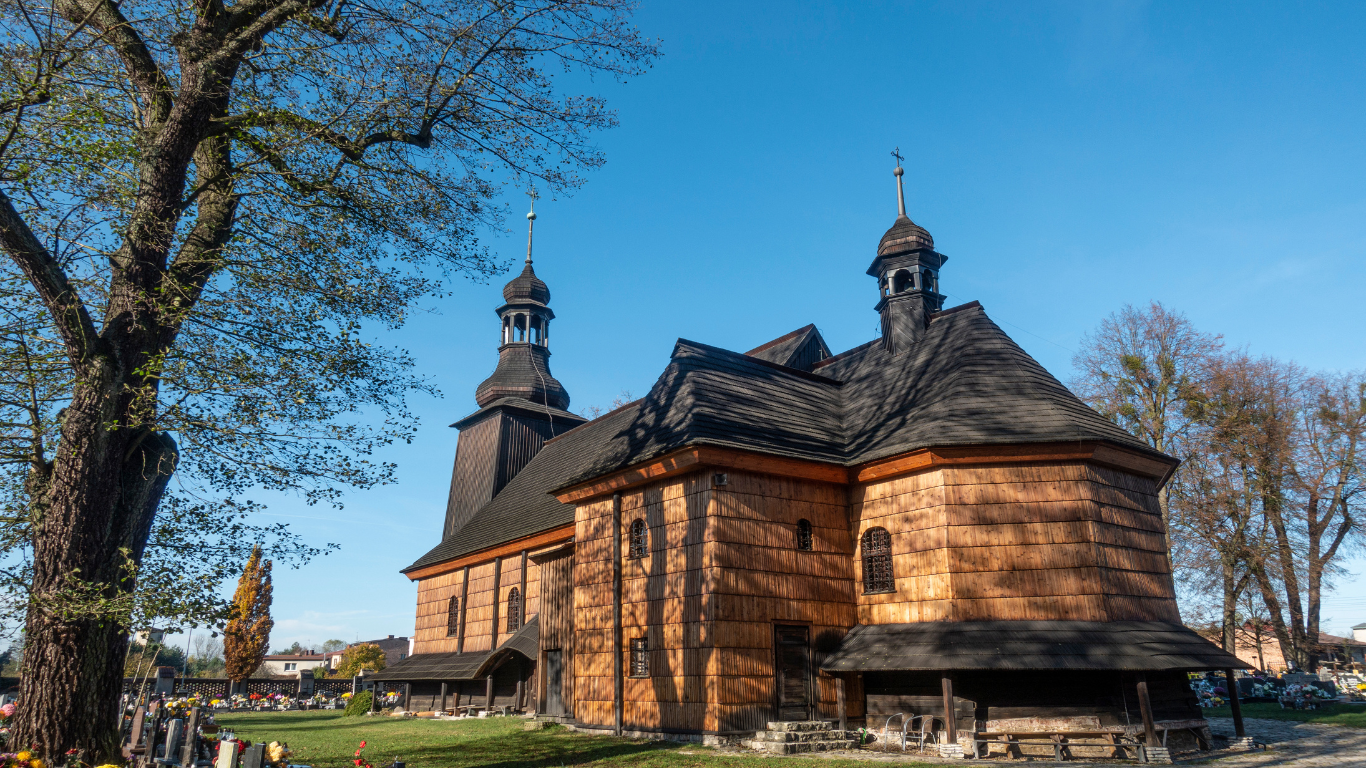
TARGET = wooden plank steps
(793,738)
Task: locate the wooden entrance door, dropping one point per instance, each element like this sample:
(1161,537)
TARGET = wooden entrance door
(793,648)
(554,683)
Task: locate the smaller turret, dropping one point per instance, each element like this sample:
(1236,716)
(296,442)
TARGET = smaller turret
(907,271)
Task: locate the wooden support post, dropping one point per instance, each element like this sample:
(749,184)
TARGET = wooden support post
(497,576)
(464,593)
(1145,706)
(618,683)
(1234,704)
(517,700)
(840,704)
(950,714)
(488,693)
(525,603)
(408,696)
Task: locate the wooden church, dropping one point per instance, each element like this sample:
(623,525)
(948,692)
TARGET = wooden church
(926,523)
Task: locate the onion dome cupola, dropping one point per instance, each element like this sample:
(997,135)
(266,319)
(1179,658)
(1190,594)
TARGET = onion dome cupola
(524,342)
(907,271)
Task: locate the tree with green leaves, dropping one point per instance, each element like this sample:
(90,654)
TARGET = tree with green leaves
(361,656)
(204,209)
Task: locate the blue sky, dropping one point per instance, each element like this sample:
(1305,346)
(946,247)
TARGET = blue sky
(1068,157)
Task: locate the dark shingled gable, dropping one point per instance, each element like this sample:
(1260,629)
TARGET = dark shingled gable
(1020,645)
(525,506)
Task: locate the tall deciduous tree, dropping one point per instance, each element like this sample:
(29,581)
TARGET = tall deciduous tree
(248,631)
(1139,368)
(203,205)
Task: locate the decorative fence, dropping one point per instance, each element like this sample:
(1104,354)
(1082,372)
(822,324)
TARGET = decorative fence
(211,687)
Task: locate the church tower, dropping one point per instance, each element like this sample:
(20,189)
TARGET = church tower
(520,406)
(907,271)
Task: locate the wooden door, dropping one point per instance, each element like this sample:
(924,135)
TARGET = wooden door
(793,649)
(554,683)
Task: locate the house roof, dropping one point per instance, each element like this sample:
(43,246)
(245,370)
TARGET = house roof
(965,383)
(1327,639)
(294,657)
(1000,645)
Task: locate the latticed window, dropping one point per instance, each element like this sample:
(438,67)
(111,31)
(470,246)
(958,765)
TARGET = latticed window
(640,657)
(514,610)
(640,540)
(804,535)
(877,562)
(453,617)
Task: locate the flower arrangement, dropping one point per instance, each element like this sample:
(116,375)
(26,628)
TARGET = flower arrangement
(277,753)
(1301,696)
(1207,694)
(24,759)
(360,761)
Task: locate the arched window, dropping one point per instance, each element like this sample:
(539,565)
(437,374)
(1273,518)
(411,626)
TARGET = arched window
(640,540)
(453,617)
(902,281)
(514,610)
(928,281)
(877,562)
(804,535)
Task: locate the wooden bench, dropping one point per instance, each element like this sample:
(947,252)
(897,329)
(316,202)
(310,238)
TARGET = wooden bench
(1060,741)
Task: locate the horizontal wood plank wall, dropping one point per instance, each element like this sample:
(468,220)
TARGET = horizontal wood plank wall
(434,594)
(722,567)
(1064,541)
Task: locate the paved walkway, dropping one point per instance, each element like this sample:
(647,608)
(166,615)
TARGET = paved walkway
(1296,745)
(1289,745)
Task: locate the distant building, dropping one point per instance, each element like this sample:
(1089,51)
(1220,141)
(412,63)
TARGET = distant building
(1359,632)
(395,650)
(291,664)
(1334,651)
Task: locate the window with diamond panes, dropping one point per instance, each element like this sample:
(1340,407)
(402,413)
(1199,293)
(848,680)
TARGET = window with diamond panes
(804,535)
(877,562)
(640,657)
(453,617)
(640,539)
(514,610)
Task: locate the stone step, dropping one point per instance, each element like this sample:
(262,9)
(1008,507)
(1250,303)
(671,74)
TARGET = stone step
(802,747)
(800,725)
(791,737)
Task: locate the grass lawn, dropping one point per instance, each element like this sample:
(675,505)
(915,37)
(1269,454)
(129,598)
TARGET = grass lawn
(328,740)
(1353,715)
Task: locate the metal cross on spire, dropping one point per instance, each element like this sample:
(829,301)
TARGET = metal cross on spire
(900,195)
(530,222)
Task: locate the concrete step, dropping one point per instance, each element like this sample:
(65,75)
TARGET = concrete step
(800,725)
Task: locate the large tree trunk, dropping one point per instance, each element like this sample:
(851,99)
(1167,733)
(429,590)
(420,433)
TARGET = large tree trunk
(103,494)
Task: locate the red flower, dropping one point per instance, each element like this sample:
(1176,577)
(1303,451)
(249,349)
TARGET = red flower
(362,745)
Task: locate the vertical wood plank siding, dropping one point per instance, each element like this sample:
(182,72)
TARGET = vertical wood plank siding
(481,607)
(557,620)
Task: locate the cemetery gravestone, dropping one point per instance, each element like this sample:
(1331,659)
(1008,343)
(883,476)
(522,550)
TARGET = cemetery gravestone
(174,731)
(251,756)
(227,755)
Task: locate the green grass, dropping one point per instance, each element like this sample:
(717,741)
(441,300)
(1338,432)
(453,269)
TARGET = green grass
(1352,715)
(327,740)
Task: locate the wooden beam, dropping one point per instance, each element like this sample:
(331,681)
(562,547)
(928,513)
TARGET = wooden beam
(554,536)
(691,459)
(950,712)
(618,683)
(488,692)
(1234,704)
(522,620)
(1030,453)
(464,596)
(1145,707)
(497,576)
(840,706)
(443,697)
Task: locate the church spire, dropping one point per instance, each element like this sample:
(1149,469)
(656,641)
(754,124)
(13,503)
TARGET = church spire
(530,223)
(900,193)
